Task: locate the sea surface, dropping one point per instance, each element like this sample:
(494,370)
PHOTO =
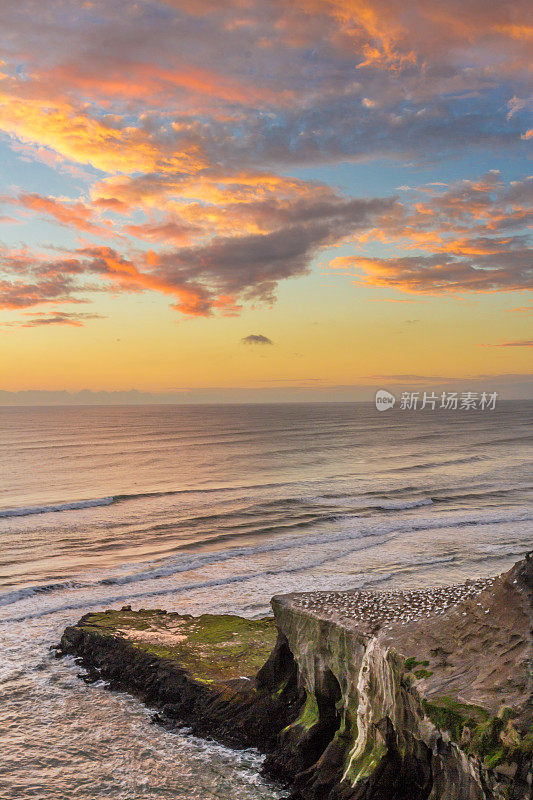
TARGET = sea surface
(217,508)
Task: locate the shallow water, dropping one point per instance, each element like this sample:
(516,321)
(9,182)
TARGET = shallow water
(103,506)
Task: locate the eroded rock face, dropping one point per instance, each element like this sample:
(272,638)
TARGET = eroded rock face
(399,734)
(399,709)
(362,706)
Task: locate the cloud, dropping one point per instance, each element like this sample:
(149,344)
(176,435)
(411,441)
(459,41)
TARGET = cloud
(522,343)
(77,214)
(247,236)
(109,89)
(218,272)
(466,237)
(169,230)
(508,271)
(183,148)
(58,318)
(509,386)
(407,377)
(522,309)
(74,135)
(22,294)
(256,338)
(389,300)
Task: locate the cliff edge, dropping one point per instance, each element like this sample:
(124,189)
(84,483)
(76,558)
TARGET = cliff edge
(417,695)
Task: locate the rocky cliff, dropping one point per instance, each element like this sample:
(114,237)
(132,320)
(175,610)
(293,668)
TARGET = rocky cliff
(383,696)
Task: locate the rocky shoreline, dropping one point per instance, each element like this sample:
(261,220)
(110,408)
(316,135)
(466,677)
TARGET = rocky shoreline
(352,695)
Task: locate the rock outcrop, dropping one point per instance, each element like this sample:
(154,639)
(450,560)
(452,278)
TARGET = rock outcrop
(365,696)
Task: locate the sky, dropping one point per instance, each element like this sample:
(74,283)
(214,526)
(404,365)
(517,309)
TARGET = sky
(271,200)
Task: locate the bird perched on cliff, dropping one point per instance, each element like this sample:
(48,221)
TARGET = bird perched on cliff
(379,609)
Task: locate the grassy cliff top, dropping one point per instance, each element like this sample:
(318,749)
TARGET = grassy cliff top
(212,648)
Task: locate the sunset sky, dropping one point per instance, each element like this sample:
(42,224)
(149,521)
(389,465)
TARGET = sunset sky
(251,194)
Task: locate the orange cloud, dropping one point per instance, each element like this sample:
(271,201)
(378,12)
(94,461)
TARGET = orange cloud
(521,343)
(522,309)
(75,135)
(72,214)
(437,275)
(135,80)
(192,301)
(167,231)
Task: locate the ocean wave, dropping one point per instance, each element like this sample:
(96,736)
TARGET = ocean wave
(437,464)
(401,505)
(75,505)
(357,580)
(184,564)
(446,495)
(8,598)
(301,497)
(368,501)
(384,532)
(360,538)
(278,503)
(24,511)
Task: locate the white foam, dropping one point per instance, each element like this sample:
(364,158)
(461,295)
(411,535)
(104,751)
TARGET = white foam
(351,535)
(7,598)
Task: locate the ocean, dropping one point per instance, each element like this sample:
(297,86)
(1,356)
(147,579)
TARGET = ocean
(217,508)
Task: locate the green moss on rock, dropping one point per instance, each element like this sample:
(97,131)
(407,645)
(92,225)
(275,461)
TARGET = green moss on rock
(412,662)
(211,647)
(422,673)
(493,739)
(452,716)
(309,714)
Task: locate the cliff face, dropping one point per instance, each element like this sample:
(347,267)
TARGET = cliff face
(364,720)
(460,727)
(340,707)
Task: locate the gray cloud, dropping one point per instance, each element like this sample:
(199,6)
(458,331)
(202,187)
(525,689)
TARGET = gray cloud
(508,386)
(21,294)
(60,318)
(256,338)
(506,271)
